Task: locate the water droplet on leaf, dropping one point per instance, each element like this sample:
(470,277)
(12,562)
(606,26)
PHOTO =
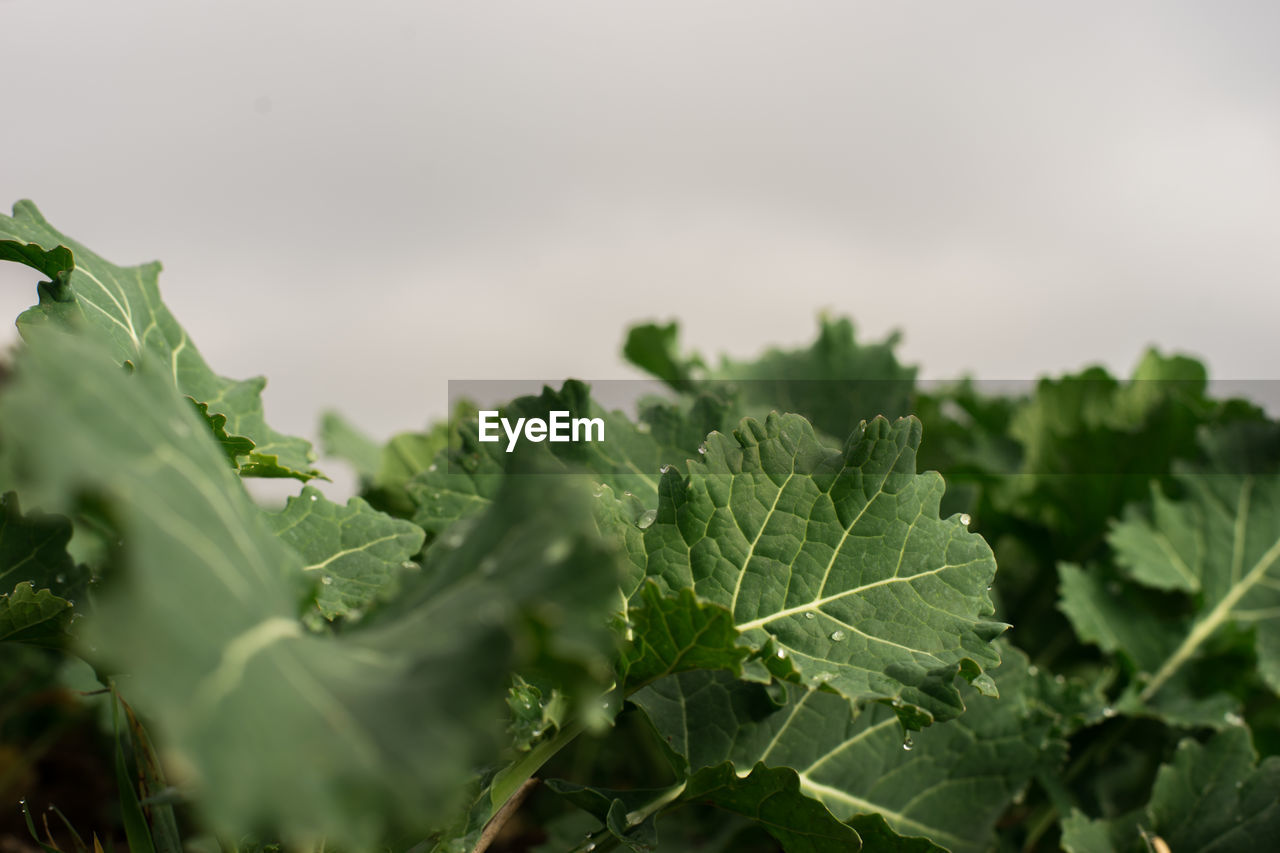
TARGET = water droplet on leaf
(1232,719)
(326,580)
(647,519)
(837,636)
(810,616)
(964,519)
(315,498)
(781,654)
(907,743)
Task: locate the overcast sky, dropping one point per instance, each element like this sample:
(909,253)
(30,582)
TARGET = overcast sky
(363,200)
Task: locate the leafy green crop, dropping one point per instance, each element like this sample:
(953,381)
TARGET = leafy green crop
(763,614)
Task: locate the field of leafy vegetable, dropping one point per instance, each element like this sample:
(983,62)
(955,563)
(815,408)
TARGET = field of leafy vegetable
(800,603)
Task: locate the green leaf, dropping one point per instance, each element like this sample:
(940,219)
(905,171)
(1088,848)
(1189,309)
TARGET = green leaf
(653,348)
(354,552)
(33,547)
(1212,797)
(461,480)
(1221,541)
(27,616)
(770,797)
(46,580)
(385,470)
(835,383)
(536,711)
(676,633)
(625,469)
(838,557)
(346,736)
(234,446)
(1115,617)
(1092,443)
(123,305)
(948,783)
(342,439)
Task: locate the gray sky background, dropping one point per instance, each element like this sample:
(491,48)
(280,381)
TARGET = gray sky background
(361,201)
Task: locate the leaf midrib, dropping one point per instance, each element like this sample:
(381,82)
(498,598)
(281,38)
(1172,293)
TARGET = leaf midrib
(1204,628)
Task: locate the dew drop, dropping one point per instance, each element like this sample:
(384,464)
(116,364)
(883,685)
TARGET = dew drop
(315,498)
(781,654)
(627,495)
(1033,670)
(60,578)
(907,743)
(1108,712)
(665,468)
(1232,719)
(837,636)
(810,616)
(433,466)
(408,564)
(326,580)
(702,448)
(646,520)
(599,492)
(643,428)
(964,519)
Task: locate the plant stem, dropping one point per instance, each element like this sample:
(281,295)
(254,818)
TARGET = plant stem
(499,820)
(511,779)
